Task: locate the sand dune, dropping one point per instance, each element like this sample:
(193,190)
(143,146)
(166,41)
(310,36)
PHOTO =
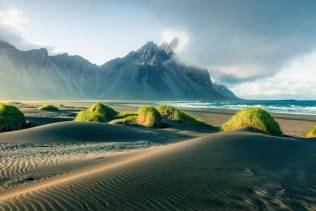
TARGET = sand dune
(220,171)
(80,132)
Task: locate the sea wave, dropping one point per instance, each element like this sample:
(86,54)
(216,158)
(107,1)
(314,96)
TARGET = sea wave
(277,106)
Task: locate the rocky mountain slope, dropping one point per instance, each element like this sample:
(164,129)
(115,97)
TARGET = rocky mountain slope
(150,73)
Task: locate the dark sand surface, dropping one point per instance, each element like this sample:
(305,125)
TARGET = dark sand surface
(57,164)
(238,170)
(87,132)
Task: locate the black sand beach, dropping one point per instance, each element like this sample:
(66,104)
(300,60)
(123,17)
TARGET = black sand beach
(63,165)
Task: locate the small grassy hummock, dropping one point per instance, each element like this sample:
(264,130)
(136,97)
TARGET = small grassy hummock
(48,107)
(11,118)
(256,118)
(148,116)
(98,112)
(127,117)
(311,132)
(123,115)
(130,119)
(175,114)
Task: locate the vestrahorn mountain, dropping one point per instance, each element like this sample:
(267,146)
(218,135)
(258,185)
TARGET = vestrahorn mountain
(150,73)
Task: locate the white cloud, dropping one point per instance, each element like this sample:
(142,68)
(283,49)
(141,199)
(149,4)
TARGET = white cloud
(168,35)
(12,22)
(12,25)
(13,18)
(296,80)
(240,72)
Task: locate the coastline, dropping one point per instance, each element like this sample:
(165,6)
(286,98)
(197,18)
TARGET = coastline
(291,124)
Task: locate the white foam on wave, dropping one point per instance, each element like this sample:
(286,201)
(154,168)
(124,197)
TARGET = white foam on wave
(288,109)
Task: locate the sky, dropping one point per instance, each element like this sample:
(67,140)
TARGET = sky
(259,49)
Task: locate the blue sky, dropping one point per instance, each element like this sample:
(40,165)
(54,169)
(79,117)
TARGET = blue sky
(259,49)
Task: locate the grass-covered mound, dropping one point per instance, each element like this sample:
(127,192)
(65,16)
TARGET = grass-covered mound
(98,112)
(148,116)
(133,119)
(256,118)
(11,118)
(123,115)
(127,117)
(311,132)
(175,114)
(48,107)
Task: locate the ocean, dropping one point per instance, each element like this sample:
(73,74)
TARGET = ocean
(303,107)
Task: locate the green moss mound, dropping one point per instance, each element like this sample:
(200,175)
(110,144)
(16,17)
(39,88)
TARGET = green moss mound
(48,107)
(311,132)
(148,116)
(256,118)
(127,117)
(98,112)
(130,119)
(175,114)
(11,118)
(123,115)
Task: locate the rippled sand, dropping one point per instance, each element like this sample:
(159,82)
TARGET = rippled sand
(62,165)
(221,171)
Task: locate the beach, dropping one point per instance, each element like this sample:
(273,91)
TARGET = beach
(58,164)
(291,124)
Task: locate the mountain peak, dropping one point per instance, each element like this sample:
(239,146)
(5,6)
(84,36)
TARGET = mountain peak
(149,46)
(170,47)
(151,54)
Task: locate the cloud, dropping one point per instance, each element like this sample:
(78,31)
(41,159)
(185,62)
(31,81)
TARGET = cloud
(12,22)
(13,18)
(244,40)
(168,35)
(12,25)
(295,81)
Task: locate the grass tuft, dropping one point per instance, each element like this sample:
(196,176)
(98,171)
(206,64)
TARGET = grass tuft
(149,117)
(311,132)
(175,114)
(130,120)
(11,118)
(256,118)
(48,107)
(98,112)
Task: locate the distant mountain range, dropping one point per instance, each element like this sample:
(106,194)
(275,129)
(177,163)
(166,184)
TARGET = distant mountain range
(150,73)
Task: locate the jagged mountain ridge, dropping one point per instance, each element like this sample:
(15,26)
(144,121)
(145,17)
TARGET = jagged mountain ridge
(150,73)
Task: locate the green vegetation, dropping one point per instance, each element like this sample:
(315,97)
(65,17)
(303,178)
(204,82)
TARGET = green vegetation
(256,118)
(148,116)
(11,118)
(127,117)
(48,107)
(311,132)
(123,115)
(130,120)
(175,114)
(98,112)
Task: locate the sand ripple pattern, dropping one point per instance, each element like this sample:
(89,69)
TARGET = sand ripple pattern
(27,163)
(245,171)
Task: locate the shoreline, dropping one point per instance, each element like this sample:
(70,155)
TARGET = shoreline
(292,124)
(137,103)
